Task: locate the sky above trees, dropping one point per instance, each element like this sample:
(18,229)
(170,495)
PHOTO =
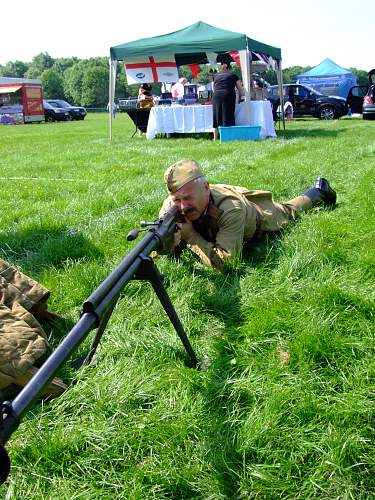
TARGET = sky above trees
(306,32)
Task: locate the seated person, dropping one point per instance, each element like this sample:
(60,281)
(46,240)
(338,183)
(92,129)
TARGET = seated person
(145,96)
(288,110)
(178,88)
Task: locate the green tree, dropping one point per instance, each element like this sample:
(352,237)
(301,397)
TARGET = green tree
(122,87)
(15,69)
(95,87)
(290,74)
(204,75)
(63,63)
(78,78)
(362,75)
(184,71)
(39,63)
(52,84)
(72,82)
(270,76)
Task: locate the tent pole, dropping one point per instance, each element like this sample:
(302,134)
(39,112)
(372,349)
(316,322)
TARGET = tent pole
(110,101)
(281,91)
(249,79)
(112,87)
(246,78)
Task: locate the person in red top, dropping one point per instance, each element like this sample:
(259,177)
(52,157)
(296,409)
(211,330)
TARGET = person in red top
(224,97)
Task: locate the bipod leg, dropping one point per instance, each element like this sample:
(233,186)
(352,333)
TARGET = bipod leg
(150,272)
(99,333)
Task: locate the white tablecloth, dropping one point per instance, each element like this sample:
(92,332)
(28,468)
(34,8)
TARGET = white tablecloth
(180,119)
(260,114)
(190,119)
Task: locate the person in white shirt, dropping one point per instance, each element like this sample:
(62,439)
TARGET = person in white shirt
(178,88)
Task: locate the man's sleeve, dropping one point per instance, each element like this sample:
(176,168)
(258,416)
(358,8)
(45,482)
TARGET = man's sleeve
(228,243)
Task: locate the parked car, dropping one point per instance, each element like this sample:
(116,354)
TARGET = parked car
(368,108)
(355,98)
(54,113)
(307,101)
(124,104)
(75,112)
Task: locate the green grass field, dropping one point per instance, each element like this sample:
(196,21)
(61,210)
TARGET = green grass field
(286,408)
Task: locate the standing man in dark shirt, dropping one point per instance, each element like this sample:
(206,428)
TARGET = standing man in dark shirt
(224,97)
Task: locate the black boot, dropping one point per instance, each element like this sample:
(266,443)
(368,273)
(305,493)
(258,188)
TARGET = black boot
(322,193)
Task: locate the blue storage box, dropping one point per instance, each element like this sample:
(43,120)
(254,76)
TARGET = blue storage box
(239,133)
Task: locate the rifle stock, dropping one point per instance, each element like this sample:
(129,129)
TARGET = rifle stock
(96,313)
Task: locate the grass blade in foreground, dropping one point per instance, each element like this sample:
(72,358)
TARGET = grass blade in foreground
(286,409)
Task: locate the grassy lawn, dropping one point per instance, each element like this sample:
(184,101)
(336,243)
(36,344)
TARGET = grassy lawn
(286,408)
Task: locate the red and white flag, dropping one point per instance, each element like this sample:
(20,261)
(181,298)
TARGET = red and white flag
(236,57)
(149,69)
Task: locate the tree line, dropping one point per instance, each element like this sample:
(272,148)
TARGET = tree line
(84,82)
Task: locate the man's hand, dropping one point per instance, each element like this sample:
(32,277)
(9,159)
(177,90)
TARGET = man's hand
(185,229)
(177,238)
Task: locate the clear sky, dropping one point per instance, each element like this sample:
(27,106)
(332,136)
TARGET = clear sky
(307,31)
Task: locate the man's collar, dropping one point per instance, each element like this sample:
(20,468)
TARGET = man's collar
(211,210)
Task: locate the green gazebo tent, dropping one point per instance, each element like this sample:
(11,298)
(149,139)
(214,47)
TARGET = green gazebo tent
(190,45)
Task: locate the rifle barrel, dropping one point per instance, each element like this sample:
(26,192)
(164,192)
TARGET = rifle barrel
(154,236)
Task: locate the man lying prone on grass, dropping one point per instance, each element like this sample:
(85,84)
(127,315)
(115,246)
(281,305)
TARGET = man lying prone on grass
(219,218)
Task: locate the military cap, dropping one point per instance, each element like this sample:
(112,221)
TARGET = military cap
(180,173)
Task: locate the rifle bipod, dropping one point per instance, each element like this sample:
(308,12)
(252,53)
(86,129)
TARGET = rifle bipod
(147,271)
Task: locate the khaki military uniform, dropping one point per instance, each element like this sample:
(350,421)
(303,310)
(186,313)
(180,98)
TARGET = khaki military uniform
(235,215)
(22,339)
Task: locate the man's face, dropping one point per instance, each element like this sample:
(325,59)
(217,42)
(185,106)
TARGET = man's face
(192,199)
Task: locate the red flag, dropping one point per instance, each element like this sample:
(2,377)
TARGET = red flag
(194,68)
(236,57)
